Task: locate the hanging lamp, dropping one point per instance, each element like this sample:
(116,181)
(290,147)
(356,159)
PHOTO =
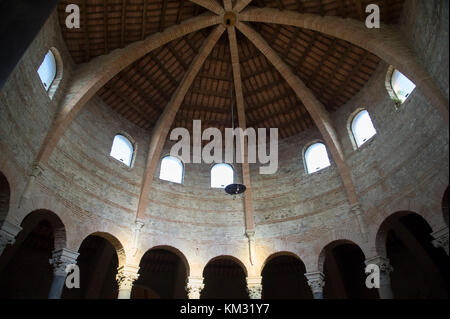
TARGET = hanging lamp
(235,188)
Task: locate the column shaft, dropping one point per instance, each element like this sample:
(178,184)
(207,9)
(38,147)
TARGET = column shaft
(60,260)
(385,289)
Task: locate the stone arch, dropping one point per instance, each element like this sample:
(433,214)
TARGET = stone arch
(331,245)
(25,270)
(177,252)
(420,269)
(5,196)
(229,257)
(283,276)
(412,204)
(118,247)
(382,232)
(91,76)
(59,229)
(278,254)
(163,270)
(343,264)
(224,276)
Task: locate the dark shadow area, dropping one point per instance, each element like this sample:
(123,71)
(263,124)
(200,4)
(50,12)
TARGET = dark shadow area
(284,278)
(224,279)
(162,274)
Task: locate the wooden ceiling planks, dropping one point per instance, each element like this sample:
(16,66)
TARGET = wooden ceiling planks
(333,69)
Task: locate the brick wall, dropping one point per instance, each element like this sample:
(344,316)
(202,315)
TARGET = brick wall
(404,167)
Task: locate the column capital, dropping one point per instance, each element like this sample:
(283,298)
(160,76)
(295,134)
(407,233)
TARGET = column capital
(250,233)
(37,169)
(382,262)
(356,208)
(194,287)
(8,233)
(441,239)
(61,258)
(138,224)
(385,289)
(126,276)
(316,280)
(254,287)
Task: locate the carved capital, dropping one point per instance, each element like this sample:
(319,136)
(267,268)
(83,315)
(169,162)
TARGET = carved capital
(316,280)
(61,259)
(37,170)
(126,276)
(441,239)
(250,234)
(255,292)
(194,287)
(138,224)
(356,209)
(8,233)
(254,287)
(385,268)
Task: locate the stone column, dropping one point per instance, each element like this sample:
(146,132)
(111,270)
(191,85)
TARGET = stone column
(441,239)
(254,287)
(385,290)
(316,280)
(60,260)
(356,210)
(126,276)
(194,287)
(8,233)
(251,244)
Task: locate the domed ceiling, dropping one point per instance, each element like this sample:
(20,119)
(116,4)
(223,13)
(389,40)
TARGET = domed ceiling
(333,69)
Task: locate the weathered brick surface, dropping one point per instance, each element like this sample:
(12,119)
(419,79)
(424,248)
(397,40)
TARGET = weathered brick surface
(404,167)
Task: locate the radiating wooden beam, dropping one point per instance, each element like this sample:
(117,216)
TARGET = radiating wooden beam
(88,78)
(162,127)
(228,5)
(317,111)
(248,198)
(240,5)
(211,5)
(386,43)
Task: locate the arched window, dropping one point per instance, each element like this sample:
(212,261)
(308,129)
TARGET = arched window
(362,128)
(122,149)
(171,170)
(47,70)
(401,86)
(316,158)
(222,175)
